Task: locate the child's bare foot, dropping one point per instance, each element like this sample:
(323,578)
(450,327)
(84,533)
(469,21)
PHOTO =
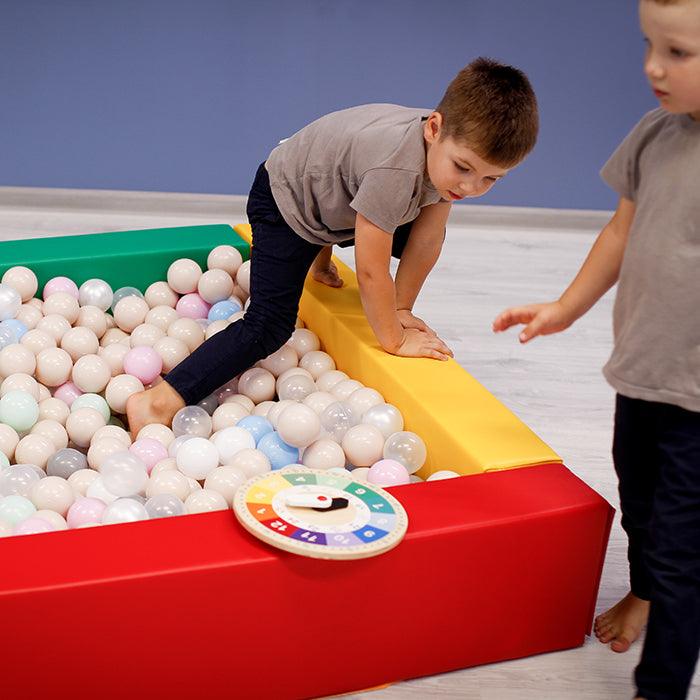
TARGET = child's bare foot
(623,623)
(324,270)
(156,405)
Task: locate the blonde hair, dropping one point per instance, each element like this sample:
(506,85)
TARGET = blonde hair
(491,107)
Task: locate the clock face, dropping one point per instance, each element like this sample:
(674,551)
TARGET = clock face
(320,514)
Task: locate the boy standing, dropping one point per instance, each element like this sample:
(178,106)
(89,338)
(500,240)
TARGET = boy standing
(652,246)
(380,174)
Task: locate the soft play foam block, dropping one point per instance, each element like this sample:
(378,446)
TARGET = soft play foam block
(465,427)
(493,566)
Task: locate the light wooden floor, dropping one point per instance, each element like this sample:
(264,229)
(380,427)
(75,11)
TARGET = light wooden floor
(553,384)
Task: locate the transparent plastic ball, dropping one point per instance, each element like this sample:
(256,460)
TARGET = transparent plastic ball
(192,420)
(407,448)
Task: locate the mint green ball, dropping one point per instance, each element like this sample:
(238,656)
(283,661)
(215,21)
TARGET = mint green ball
(92,401)
(19,410)
(14,509)
(4,461)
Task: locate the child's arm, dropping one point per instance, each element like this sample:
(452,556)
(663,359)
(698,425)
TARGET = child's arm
(597,274)
(378,294)
(418,259)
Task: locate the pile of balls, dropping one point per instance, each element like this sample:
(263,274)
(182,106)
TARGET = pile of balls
(70,360)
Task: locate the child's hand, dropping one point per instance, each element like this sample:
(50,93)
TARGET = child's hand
(408,320)
(541,319)
(417,343)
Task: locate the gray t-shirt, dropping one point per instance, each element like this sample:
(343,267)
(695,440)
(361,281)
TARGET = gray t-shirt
(657,309)
(368,160)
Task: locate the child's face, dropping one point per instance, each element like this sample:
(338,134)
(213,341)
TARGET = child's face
(455,170)
(672,60)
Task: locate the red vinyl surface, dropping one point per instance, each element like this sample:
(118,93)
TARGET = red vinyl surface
(493,566)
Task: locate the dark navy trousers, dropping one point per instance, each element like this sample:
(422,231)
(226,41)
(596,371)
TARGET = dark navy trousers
(656,450)
(280,261)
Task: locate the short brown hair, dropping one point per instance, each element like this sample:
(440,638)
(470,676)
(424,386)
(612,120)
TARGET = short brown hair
(493,108)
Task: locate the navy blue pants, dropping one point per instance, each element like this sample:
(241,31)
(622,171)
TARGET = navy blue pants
(280,261)
(656,450)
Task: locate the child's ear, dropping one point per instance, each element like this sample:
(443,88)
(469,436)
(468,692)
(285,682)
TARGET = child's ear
(433,127)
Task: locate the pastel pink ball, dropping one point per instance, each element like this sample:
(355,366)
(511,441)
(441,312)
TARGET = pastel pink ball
(192,306)
(388,472)
(67,393)
(85,510)
(144,363)
(61,284)
(149,451)
(33,526)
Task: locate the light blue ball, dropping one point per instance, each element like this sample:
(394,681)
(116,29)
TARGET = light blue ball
(257,426)
(223,309)
(277,451)
(17,328)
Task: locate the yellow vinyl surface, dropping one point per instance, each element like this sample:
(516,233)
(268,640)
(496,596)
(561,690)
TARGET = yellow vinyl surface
(465,428)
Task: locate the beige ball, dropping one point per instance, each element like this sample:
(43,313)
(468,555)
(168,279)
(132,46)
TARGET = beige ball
(363,445)
(324,454)
(23,280)
(226,481)
(113,336)
(318,401)
(53,367)
(37,340)
(169,481)
(78,342)
(80,481)
(8,441)
(257,384)
(317,363)
(228,415)
(91,374)
(34,449)
(82,424)
(172,351)
(361,400)
(53,431)
(215,285)
(146,334)
(157,431)
(53,493)
(161,316)
(329,379)
(303,340)
(54,409)
(113,431)
(130,312)
(93,318)
(52,517)
(243,277)
(215,327)
(298,425)
(160,294)
(342,390)
(113,355)
(280,361)
(29,315)
(20,382)
(167,464)
(241,399)
(251,462)
(262,409)
(225,257)
(36,302)
(183,276)
(187,330)
(16,359)
(62,304)
(101,449)
(56,326)
(119,389)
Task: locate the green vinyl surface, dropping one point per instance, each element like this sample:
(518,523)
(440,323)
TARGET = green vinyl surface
(121,258)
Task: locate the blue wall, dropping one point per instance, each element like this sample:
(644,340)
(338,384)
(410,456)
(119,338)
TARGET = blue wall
(190,95)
